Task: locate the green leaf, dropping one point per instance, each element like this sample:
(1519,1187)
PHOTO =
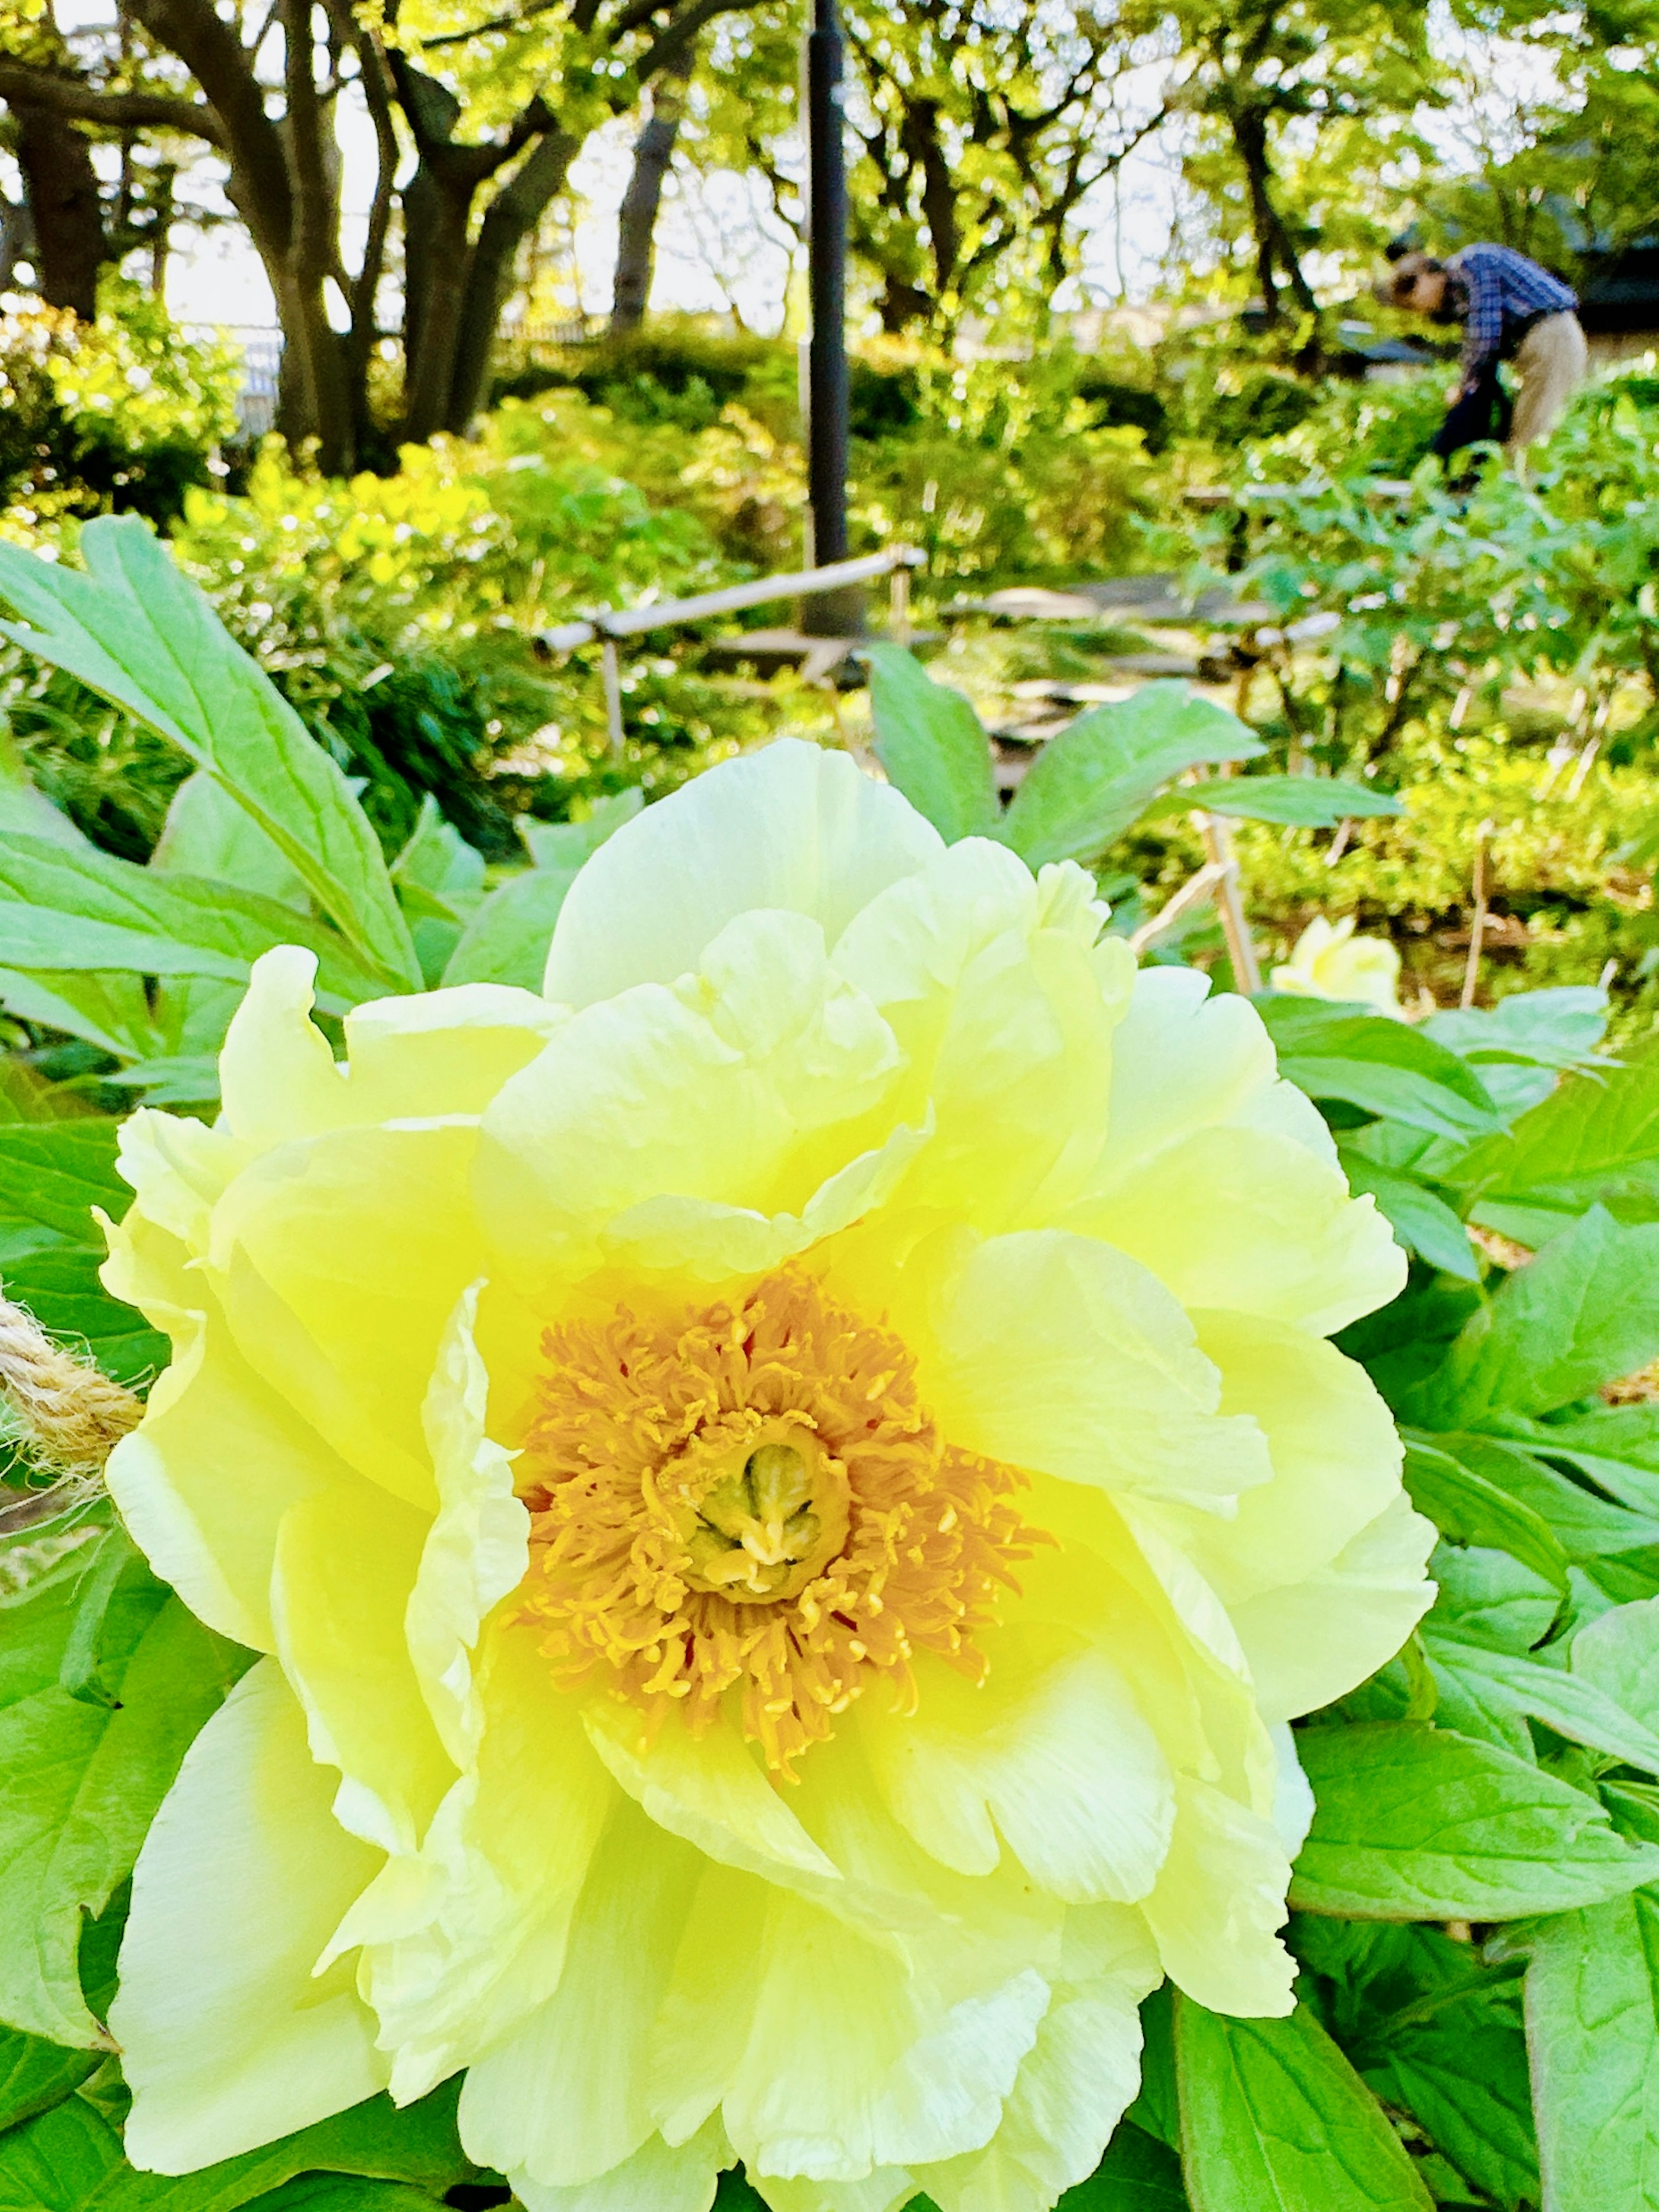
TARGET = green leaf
(1422,1222)
(345,2192)
(208,832)
(1618,1657)
(1584,1312)
(1593,2024)
(59,1286)
(932,746)
(1593,1141)
(59,2162)
(1616,1446)
(1436,2032)
(1470,1508)
(36,2075)
(61,910)
(1095,779)
(563,845)
(1416,1823)
(1138,2174)
(55,1172)
(1588,1526)
(417,2146)
(507,939)
(138,632)
(94,1719)
(1273,2115)
(1303,802)
(1484,1681)
(1334,1051)
(109,1010)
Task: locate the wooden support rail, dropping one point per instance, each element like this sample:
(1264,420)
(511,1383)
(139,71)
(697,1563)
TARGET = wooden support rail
(666,614)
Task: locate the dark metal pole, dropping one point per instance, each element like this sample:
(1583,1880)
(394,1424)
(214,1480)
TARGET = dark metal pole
(829,614)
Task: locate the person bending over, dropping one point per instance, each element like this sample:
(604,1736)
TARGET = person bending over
(1510,310)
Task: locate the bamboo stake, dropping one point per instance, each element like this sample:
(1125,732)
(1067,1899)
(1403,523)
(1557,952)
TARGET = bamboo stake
(1230,902)
(1478,925)
(613,711)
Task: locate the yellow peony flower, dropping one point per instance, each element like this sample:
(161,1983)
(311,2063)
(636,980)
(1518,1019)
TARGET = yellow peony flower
(1327,961)
(788,1489)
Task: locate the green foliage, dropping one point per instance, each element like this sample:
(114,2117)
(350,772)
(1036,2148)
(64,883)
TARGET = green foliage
(1485,1833)
(124,413)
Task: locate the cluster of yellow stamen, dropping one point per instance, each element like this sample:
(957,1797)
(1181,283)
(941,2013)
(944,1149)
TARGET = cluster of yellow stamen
(750,1498)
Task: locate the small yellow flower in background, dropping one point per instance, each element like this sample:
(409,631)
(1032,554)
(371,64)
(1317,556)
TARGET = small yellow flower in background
(1329,961)
(789,1489)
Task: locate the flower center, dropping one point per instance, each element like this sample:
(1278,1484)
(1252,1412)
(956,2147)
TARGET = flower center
(749,1498)
(768,1522)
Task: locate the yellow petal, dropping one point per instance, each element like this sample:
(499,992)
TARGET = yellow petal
(465,1942)
(1319,1639)
(1335,1455)
(1250,1220)
(204,1482)
(227,2040)
(1058,1353)
(854,2064)
(1053,1751)
(277,1075)
(788,827)
(1218,1903)
(477,1548)
(338,1260)
(1076,2084)
(346,1562)
(658,2177)
(566,2099)
(1005,1010)
(442,1052)
(713,1089)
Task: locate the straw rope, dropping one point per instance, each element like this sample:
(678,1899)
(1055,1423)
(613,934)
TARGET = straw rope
(72,1414)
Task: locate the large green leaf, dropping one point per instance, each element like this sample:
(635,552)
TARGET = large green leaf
(1274,2116)
(72,911)
(1436,2032)
(1138,2174)
(1470,1508)
(1594,1140)
(139,633)
(1416,1823)
(52,1175)
(59,2162)
(932,745)
(1301,802)
(1094,780)
(106,1679)
(345,2192)
(1422,1222)
(1584,1312)
(506,939)
(210,833)
(1478,1685)
(417,2146)
(1344,1052)
(1593,2026)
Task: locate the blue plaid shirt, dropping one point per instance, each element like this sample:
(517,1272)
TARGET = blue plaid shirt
(1498,290)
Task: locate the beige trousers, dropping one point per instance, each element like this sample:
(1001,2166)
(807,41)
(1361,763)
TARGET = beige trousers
(1551,362)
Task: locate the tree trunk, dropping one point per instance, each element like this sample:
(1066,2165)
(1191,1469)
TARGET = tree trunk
(61,187)
(17,238)
(636,225)
(1273,241)
(435,255)
(512,214)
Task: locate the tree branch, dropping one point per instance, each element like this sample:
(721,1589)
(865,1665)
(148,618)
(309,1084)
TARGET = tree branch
(81,102)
